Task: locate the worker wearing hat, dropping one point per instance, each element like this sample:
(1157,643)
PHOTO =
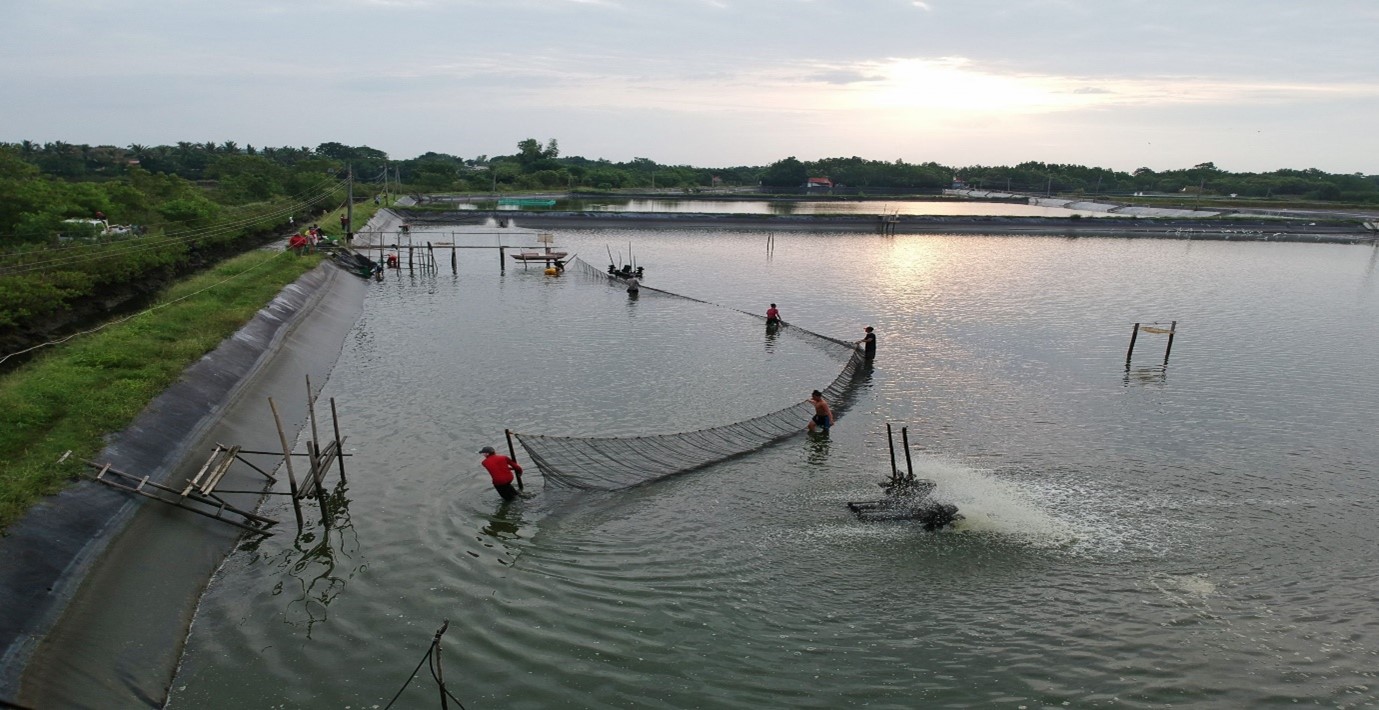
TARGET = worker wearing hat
(501,469)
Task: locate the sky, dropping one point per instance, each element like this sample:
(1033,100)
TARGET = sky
(1249,85)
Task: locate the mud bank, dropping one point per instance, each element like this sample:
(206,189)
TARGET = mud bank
(1340,232)
(97,587)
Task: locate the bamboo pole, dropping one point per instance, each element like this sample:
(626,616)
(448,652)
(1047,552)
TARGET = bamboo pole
(1131,351)
(1172,330)
(339,445)
(320,477)
(287,461)
(311,411)
(512,454)
(905,440)
(440,674)
(890,441)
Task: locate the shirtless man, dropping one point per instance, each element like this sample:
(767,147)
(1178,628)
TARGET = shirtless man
(823,416)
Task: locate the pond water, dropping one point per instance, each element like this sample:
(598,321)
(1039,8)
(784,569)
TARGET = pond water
(1200,534)
(958,208)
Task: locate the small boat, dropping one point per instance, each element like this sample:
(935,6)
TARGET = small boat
(548,255)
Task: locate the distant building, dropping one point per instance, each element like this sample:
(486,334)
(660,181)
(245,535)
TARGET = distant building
(819,183)
(715,181)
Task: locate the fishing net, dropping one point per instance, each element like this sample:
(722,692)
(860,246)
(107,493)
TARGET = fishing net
(613,463)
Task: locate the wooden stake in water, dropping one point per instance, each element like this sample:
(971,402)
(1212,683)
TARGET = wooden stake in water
(335,421)
(890,441)
(1172,330)
(287,461)
(1135,333)
(440,674)
(512,454)
(905,441)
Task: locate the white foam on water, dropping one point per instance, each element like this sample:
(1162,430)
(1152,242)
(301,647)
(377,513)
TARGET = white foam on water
(990,505)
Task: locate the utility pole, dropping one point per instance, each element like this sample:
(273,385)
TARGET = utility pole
(349,204)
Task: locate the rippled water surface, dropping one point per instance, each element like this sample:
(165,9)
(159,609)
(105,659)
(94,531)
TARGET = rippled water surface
(1196,535)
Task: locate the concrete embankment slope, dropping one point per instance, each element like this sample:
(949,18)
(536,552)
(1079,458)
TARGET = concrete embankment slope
(98,587)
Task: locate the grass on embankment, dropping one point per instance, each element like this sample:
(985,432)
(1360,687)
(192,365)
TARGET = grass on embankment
(71,396)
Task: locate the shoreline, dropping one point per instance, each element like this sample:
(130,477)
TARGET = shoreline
(98,587)
(1215,229)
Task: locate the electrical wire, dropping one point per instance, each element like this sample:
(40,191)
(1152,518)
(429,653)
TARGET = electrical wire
(140,313)
(128,248)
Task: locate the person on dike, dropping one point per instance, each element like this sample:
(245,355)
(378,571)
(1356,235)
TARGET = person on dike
(772,315)
(823,416)
(868,343)
(501,469)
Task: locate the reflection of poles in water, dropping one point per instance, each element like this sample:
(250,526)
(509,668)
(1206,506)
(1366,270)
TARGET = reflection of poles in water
(315,566)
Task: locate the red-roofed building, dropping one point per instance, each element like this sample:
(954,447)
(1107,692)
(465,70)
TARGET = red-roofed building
(820,183)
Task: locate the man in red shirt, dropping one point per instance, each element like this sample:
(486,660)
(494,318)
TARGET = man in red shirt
(501,469)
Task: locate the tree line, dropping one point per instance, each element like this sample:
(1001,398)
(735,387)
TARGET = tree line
(191,183)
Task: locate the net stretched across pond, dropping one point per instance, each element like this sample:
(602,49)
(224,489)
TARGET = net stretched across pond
(613,463)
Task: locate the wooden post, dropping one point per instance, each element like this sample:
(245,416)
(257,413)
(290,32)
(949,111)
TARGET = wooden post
(890,441)
(1172,330)
(440,674)
(339,446)
(502,259)
(287,461)
(311,410)
(409,255)
(905,441)
(1133,334)
(454,265)
(512,454)
(320,477)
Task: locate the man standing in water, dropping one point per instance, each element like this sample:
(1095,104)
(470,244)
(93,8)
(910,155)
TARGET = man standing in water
(823,416)
(501,469)
(772,315)
(633,285)
(868,343)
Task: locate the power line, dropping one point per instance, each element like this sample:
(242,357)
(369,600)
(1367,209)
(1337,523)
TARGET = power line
(134,246)
(140,313)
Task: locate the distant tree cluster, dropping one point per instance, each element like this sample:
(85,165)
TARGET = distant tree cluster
(1203,178)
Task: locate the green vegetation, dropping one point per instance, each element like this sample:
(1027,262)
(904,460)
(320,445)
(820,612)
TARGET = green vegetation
(89,232)
(68,398)
(1201,180)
